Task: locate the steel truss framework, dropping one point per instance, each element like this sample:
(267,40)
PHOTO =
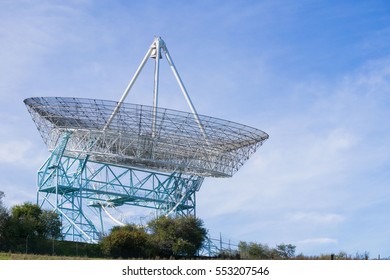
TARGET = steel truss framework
(106,154)
(75,187)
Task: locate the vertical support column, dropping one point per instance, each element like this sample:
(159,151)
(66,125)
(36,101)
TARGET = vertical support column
(156,47)
(156,56)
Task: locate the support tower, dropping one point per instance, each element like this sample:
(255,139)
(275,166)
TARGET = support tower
(107,154)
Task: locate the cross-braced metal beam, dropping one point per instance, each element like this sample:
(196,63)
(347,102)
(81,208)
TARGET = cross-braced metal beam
(76,187)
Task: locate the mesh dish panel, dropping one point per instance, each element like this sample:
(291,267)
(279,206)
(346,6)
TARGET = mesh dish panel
(167,140)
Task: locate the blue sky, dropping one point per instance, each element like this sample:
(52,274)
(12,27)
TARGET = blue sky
(314,75)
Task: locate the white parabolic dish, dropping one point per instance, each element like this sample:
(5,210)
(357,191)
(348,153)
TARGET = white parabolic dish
(164,140)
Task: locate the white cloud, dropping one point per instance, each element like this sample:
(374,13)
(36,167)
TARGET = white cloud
(20,153)
(318,241)
(16,193)
(14,152)
(315,218)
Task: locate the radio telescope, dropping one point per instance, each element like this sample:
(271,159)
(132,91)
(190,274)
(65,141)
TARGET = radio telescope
(107,154)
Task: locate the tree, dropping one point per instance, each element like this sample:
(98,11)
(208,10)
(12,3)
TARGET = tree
(128,241)
(285,251)
(51,224)
(258,251)
(254,251)
(162,232)
(25,220)
(4,217)
(180,236)
(1,198)
(28,222)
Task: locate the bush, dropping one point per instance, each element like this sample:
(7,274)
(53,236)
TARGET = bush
(125,242)
(178,237)
(164,237)
(258,251)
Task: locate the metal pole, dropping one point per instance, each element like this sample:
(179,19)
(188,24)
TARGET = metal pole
(127,90)
(184,91)
(156,77)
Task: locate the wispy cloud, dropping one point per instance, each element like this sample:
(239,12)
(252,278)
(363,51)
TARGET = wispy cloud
(308,173)
(316,241)
(14,152)
(315,218)
(20,153)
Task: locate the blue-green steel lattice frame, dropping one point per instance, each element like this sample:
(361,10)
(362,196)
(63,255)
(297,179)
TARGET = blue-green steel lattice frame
(75,186)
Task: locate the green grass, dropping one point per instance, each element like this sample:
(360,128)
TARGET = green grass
(5,256)
(14,256)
